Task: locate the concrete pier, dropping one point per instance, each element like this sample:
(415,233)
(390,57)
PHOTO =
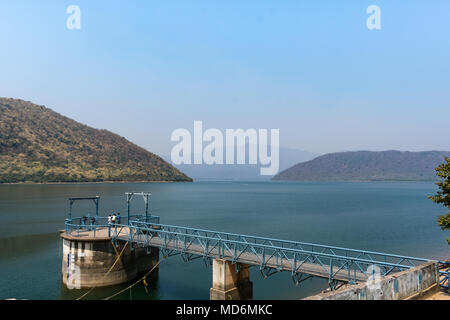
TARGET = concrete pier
(86,261)
(229,283)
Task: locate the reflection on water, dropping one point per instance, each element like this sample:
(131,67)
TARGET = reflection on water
(384,216)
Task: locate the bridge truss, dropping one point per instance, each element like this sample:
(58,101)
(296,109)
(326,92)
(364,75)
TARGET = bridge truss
(301,259)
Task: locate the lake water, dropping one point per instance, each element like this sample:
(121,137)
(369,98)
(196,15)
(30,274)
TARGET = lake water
(391,217)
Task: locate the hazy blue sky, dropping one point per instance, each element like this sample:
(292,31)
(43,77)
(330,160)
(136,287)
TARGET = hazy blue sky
(310,68)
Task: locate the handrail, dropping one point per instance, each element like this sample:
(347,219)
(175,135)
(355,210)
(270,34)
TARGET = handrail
(250,237)
(296,243)
(268,252)
(320,254)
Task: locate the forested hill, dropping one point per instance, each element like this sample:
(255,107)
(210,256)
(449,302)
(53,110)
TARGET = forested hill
(40,145)
(367,166)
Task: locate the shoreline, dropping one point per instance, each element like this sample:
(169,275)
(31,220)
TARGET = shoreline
(217,180)
(87,182)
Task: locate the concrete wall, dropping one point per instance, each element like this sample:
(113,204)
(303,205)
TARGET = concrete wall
(86,262)
(409,284)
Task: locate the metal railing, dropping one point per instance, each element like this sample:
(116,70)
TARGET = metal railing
(271,255)
(80,225)
(444,273)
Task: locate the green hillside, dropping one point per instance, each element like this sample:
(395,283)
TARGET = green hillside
(40,145)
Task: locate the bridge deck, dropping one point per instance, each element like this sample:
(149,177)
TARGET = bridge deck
(252,259)
(244,257)
(332,263)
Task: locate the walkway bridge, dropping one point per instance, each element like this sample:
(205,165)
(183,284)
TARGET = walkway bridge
(302,260)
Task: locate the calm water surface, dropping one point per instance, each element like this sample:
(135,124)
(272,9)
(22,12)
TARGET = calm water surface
(392,217)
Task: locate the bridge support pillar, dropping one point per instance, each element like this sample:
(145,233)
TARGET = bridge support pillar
(230,281)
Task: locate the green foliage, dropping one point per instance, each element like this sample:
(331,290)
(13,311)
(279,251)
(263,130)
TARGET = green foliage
(40,145)
(443,195)
(444,221)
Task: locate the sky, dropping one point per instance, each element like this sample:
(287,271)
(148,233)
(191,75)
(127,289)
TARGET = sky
(311,69)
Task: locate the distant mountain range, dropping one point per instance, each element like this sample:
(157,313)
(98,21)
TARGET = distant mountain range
(288,157)
(40,145)
(367,166)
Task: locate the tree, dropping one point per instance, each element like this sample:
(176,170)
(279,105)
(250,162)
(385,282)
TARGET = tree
(443,195)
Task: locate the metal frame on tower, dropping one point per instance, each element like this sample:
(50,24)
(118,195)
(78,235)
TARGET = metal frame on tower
(72,200)
(130,196)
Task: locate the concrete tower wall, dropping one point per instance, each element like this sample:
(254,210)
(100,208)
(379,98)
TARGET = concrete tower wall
(86,262)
